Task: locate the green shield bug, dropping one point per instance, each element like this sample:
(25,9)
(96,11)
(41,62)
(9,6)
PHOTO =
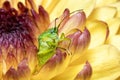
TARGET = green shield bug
(48,43)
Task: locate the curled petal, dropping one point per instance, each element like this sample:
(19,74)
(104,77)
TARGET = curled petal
(99,32)
(83,40)
(77,21)
(116,5)
(79,42)
(61,20)
(74,40)
(85,73)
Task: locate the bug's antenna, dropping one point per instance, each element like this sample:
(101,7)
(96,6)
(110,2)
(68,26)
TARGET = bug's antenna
(56,29)
(79,10)
(55,21)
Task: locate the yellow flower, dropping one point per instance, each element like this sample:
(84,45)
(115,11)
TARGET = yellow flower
(81,44)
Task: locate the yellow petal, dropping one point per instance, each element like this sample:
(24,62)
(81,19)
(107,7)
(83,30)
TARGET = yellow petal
(103,13)
(114,25)
(49,5)
(118,30)
(117,5)
(118,78)
(100,3)
(1,2)
(56,65)
(69,73)
(86,5)
(105,61)
(115,40)
(38,2)
(98,31)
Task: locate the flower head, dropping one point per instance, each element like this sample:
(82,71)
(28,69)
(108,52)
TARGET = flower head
(78,45)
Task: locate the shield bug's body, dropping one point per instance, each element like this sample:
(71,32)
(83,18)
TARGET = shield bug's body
(48,42)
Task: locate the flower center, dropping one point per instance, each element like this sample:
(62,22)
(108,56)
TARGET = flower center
(15,31)
(10,22)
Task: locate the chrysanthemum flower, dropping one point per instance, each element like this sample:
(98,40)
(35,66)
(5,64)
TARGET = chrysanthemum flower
(78,45)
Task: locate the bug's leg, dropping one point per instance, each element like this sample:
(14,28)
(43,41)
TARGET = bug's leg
(64,44)
(66,50)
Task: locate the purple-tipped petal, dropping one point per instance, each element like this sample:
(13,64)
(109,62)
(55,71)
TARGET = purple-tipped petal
(76,21)
(60,22)
(21,73)
(85,73)
(56,65)
(79,41)
(56,59)
(11,61)
(23,70)
(18,33)
(83,40)
(11,74)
